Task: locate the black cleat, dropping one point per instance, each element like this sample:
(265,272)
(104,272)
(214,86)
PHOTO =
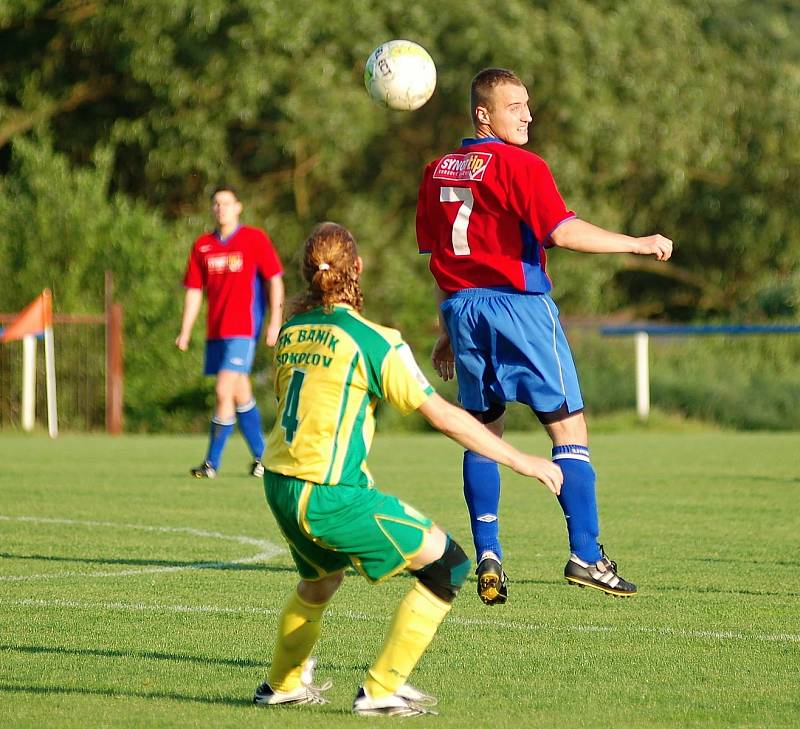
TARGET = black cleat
(205,470)
(257,469)
(492,587)
(600,575)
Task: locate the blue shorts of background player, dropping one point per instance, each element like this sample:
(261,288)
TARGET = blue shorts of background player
(509,346)
(236,354)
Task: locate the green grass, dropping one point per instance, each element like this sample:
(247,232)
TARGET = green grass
(124,600)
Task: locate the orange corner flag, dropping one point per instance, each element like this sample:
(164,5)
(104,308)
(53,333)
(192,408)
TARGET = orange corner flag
(33,319)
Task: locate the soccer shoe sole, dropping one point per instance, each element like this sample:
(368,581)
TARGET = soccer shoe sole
(492,588)
(599,586)
(489,591)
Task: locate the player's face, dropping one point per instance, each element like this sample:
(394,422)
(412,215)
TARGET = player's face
(226,209)
(510,114)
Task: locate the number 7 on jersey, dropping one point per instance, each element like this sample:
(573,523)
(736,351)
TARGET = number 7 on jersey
(461,223)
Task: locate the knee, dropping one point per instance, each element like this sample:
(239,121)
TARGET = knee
(445,576)
(243,392)
(321,591)
(223,391)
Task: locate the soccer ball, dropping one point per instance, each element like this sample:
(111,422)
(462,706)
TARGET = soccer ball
(400,74)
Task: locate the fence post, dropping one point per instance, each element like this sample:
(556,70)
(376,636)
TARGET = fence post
(114,382)
(642,340)
(50,381)
(114,360)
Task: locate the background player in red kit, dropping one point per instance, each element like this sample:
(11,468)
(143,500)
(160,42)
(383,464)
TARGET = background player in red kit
(240,272)
(486,213)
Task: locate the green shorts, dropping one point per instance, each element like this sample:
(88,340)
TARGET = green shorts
(330,528)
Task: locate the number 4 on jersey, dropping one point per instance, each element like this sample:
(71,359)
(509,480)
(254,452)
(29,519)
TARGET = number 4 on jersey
(289,418)
(459,234)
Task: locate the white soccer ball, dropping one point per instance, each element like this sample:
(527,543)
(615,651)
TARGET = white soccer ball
(400,74)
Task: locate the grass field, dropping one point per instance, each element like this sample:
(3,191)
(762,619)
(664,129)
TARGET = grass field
(133,596)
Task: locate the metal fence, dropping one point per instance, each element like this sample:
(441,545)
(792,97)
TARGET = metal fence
(81,373)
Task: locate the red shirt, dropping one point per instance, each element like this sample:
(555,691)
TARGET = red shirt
(233,273)
(485,214)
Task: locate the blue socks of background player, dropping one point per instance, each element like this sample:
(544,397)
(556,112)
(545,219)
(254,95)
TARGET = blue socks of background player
(482,493)
(218,436)
(250,424)
(578,500)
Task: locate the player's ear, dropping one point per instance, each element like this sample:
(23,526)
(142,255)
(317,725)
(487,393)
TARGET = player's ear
(482,115)
(359,264)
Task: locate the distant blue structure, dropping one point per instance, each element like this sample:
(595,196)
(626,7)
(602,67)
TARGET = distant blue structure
(670,330)
(642,333)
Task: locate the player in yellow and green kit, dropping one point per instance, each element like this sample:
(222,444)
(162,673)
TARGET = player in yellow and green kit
(333,367)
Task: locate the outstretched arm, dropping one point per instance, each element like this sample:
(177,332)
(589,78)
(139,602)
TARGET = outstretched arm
(578,235)
(465,430)
(191,308)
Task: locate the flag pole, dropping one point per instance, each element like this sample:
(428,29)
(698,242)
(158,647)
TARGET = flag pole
(34,319)
(50,366)
(28,382)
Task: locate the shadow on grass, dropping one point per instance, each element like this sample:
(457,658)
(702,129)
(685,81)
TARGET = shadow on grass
(752,477)
(51,691)
(196,564)
(734,560)
(264,666)
(149,655)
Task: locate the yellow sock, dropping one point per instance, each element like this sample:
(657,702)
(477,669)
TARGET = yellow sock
(298,629)
(413,627)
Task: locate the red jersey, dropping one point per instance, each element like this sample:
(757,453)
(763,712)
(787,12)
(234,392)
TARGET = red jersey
(485,214)
(233,273)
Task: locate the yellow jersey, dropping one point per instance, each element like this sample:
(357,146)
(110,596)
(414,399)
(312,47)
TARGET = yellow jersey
(331,371)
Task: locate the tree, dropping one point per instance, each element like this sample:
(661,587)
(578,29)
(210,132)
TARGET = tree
(670,116)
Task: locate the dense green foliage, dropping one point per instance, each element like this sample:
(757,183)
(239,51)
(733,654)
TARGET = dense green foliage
(117,118)
(127,599)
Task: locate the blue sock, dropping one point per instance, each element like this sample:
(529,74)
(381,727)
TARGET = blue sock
(218,436)
(482,493)
(578,500)
(250,424)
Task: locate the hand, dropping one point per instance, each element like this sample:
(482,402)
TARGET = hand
(540,468)
(656,245)
(272,334)
(442,357)
(182,341)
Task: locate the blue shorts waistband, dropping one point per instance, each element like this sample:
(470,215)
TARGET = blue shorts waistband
(492,291)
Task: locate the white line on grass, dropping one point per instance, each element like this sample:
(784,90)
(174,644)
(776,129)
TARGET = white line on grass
(665,631)
(268,549)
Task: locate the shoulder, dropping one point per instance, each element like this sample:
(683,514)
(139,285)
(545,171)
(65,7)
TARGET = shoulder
(203,245)
(255,237)
(204,239)
(392,337)
(253,233)
(431,166)
(521,163)
(387,333)
(373,339)
(519,156)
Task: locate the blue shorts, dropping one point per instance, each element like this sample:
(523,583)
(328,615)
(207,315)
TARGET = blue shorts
(235,354)
(510,347)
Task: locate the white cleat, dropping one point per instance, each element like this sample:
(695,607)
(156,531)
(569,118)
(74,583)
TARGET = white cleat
(405,702)
(306,693)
